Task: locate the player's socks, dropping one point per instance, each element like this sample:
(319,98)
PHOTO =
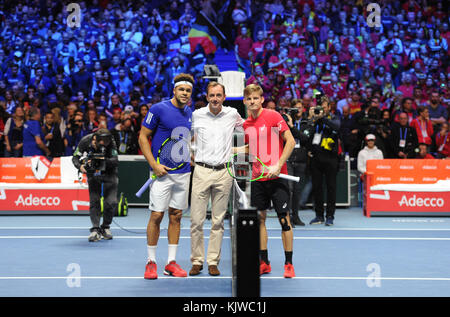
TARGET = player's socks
(288,256)
(151,252)
(172,253)
(264,256)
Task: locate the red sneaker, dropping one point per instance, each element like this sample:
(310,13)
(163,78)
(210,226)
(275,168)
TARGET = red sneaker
(264,268)
(289,270)
(150,271)
(174,269)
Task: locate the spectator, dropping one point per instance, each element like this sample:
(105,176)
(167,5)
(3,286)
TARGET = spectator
(369,152)
(437,112)
(13,133)
(114,68)
(403,138)
(10,103)
(143,109)
(422,152)
(123,84)
(13,76)
(423,126)
(406,87)
(52,135)
(33,138)
(81,80)
(91,120)
(100,84)
(3,119)
(115,119)
(259,78)
(263,24)
(406,107)
(442,140)
(418,99)
(242,48)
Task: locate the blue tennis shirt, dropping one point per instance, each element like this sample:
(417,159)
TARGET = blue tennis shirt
(166,120)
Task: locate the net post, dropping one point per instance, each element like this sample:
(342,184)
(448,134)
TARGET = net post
(246,277)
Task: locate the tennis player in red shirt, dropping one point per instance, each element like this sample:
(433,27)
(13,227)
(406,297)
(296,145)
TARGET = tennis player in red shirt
(269,138)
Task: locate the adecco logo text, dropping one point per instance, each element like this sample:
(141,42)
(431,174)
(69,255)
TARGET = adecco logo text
(421,202)
(37,201)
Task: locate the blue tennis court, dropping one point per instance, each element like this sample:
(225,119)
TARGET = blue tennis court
(358,257)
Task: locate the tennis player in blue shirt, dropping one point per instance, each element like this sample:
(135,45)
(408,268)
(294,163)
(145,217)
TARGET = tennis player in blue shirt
(169,191)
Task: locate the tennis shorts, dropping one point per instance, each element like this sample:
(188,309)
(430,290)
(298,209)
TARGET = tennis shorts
(171,190)
(275,191)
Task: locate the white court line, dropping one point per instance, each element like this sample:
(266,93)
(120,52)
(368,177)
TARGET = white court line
(224,277)
(271,238)
(208,228)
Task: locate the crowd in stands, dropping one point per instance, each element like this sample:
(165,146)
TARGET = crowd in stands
(390,80)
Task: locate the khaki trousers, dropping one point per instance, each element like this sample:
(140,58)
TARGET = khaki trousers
(206,184)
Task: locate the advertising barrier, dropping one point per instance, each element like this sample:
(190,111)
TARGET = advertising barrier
(407,187)
(38,186)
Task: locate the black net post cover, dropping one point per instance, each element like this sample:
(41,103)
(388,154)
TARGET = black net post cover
(245,249)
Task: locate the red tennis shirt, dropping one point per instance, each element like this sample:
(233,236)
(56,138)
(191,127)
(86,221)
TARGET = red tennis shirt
(264,137)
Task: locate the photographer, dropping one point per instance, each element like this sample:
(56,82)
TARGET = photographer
(323,147)
(125,136)
(75,131)
(298,162)
(96,156)
(369,121)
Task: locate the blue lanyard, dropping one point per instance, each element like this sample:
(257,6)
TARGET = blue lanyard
(404,137)
(317,128)
(121,137)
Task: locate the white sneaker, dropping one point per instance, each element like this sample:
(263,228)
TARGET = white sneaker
(106,233)
(94,236)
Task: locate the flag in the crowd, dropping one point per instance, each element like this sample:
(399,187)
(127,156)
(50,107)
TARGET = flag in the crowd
(205,33)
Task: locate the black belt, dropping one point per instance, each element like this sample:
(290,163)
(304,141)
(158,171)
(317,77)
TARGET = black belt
(217,167)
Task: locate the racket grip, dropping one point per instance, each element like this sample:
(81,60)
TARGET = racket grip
(144,187)
(289,177)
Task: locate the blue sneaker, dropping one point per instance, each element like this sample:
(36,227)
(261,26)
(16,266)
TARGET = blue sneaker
(316,221)
(329,222)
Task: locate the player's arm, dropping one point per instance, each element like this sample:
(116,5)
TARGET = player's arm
(240,149)
(144,134)
(289,144)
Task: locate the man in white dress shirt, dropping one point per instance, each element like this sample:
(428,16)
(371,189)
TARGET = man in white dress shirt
(213,128)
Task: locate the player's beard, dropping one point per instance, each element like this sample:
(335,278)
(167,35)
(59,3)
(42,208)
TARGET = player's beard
(180,101)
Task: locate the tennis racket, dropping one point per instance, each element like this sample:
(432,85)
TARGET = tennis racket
(174,154)
(238,168)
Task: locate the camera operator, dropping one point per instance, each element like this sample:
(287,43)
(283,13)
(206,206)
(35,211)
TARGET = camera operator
(323,147)
(96,156)
(369,121)
(298,162)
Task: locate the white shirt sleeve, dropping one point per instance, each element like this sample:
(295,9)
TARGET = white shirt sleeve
(361,162)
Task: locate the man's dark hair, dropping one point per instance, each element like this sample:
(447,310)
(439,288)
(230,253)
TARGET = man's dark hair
(184,77)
